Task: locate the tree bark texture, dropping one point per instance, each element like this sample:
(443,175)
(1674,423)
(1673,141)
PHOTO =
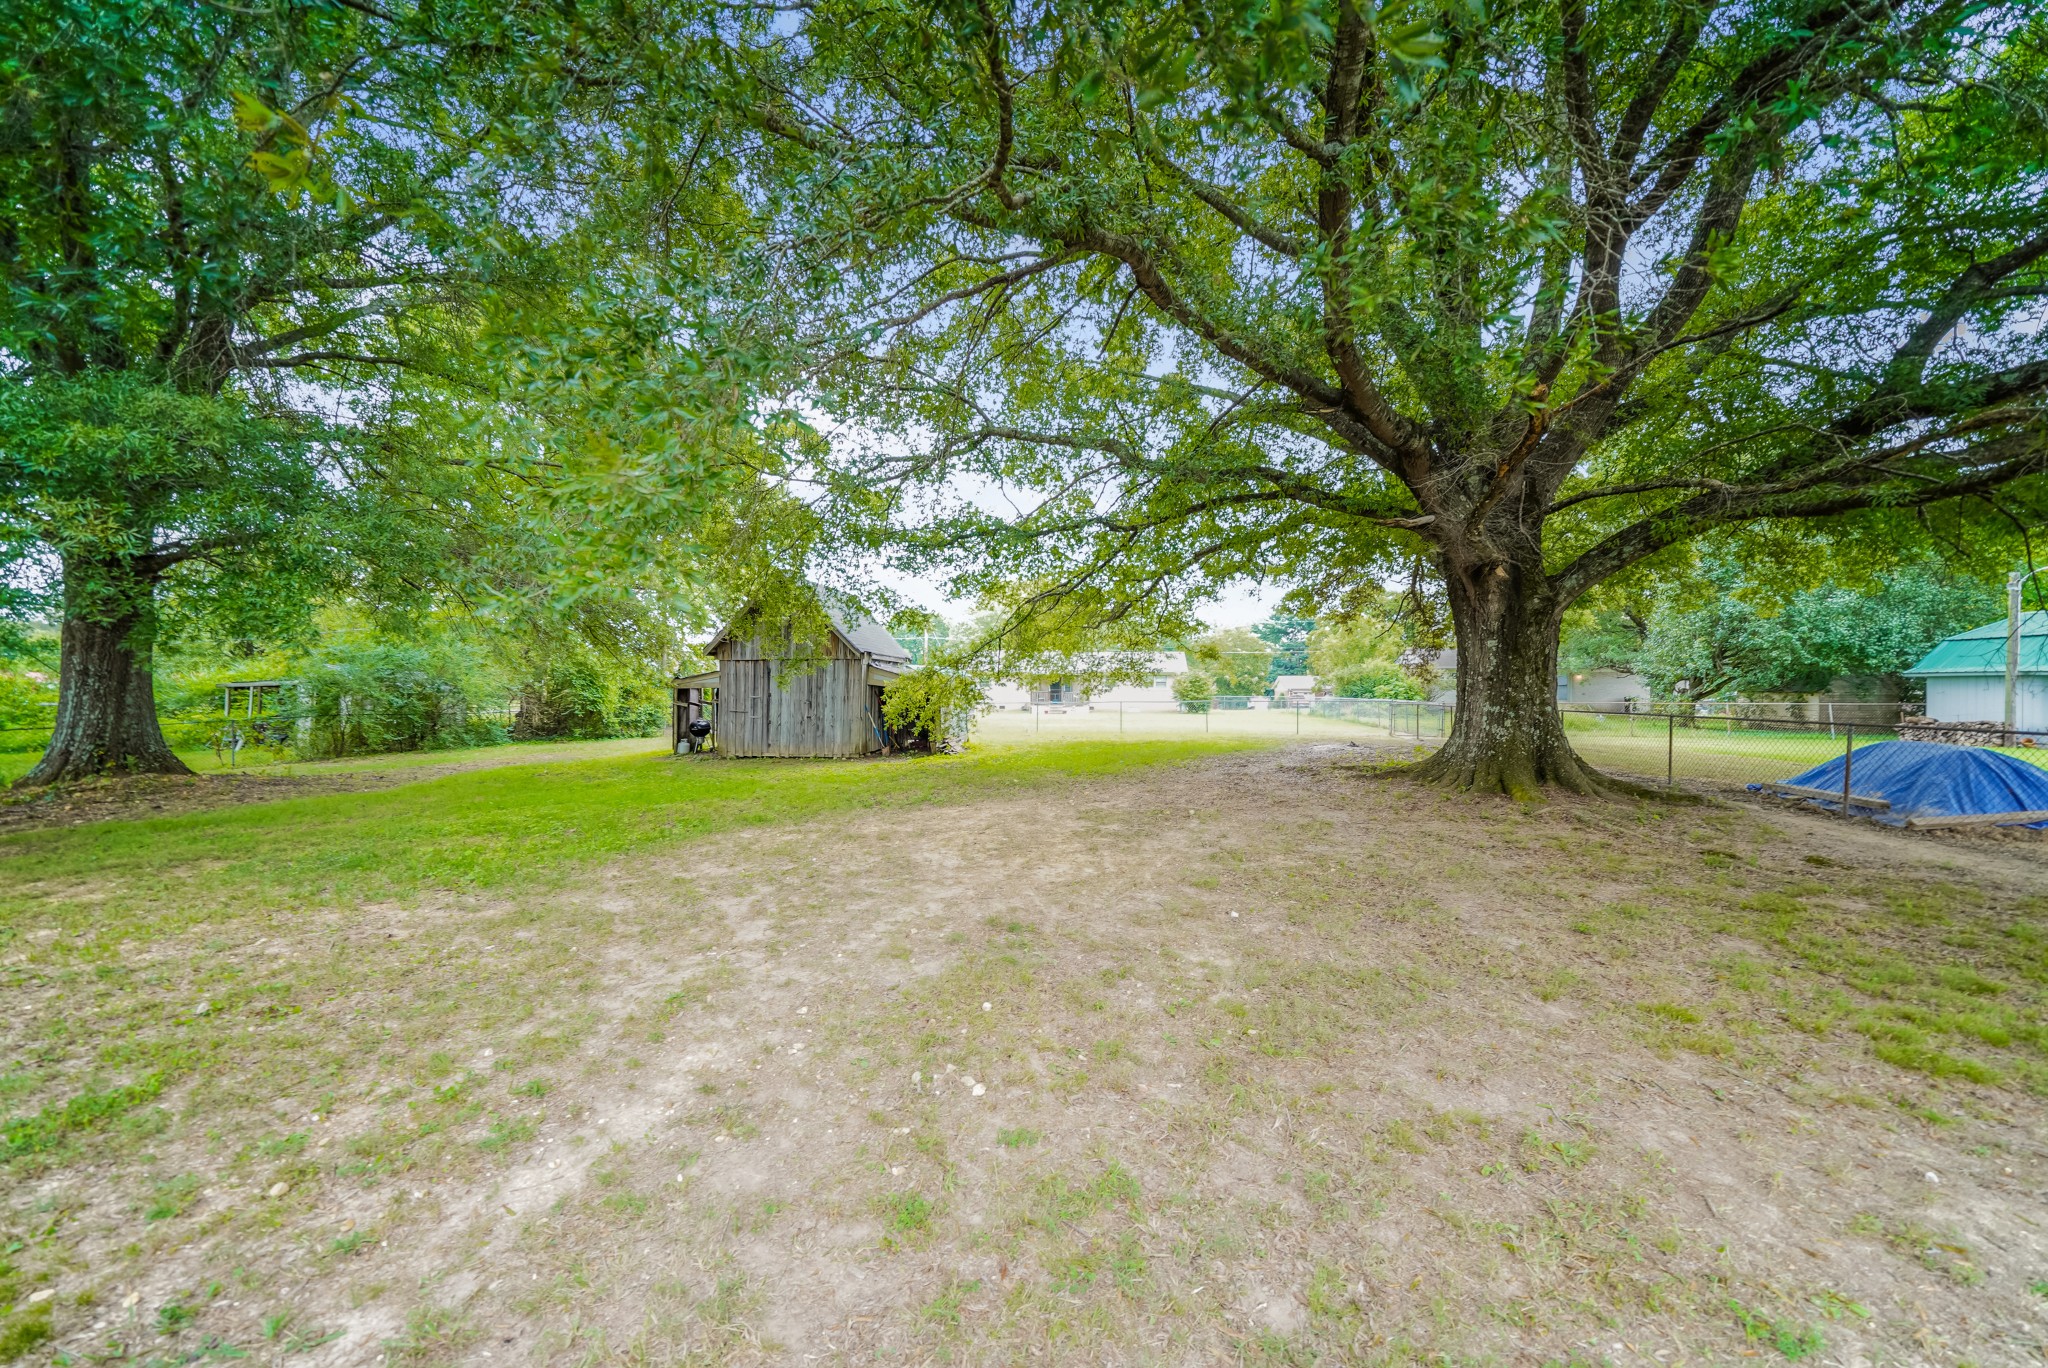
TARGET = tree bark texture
(1506,735)
(106,693)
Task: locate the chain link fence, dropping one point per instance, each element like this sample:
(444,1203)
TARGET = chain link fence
(1719,746)
(1141,719)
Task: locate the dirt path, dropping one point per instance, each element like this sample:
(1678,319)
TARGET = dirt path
(1261,1058)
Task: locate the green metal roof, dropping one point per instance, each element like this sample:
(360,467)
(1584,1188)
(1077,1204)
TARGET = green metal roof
(1981,651)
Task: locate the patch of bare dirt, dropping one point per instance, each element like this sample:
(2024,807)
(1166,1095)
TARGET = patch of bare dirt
(1262,1058)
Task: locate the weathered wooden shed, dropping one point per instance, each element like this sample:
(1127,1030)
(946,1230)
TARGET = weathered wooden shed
(771,695)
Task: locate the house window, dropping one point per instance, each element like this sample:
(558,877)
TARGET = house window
(1055,690)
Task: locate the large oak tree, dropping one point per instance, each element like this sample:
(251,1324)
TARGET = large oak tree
(1527,293)
(235,242)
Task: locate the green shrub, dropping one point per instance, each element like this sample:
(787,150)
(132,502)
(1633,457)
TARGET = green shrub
(1377,681)
(28,707)
(1196,691)
(362,699)
(581,695)
(930,706)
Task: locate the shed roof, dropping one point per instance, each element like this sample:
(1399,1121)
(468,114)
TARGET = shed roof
(1981,650)
(1290,683)
(862,632)
(854,626)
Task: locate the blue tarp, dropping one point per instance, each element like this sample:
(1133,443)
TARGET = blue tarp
(1927,779)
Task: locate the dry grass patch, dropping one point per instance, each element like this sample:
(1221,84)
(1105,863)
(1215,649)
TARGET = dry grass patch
(1263,1056)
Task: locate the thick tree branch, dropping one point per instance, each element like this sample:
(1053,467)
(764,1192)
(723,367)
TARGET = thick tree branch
(314,358)
(1976,285)
(1006,122)
(1649,96)
(251,353)
(2013,458)
(1148,277)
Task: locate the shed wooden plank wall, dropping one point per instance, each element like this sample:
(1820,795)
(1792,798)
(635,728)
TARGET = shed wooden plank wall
(813,707)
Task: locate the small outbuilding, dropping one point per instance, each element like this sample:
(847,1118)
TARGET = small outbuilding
(773,695)
(1965,675)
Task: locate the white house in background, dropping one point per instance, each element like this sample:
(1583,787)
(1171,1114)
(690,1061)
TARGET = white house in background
(1161,669)
(1601,686)
(1293,691)
(1965,675)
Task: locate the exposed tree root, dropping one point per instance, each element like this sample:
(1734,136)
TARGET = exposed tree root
(65,765)
(1524,778)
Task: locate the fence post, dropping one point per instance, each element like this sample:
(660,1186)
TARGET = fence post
(1670,747)
(1297,719)
(1848,756)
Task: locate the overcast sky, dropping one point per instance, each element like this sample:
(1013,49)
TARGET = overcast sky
(1243,604)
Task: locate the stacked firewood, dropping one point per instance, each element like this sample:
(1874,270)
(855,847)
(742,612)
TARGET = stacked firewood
(1961,733)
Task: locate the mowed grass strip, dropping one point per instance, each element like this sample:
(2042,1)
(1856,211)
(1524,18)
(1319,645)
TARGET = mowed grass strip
(485,829)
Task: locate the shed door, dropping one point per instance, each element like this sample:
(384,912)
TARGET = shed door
(742,715)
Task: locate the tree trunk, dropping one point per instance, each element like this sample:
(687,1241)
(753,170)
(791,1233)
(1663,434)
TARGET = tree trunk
(106,691)
(1506,736)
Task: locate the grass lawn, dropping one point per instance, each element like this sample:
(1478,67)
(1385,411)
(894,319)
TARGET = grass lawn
(1711,751)
(1723,753)
(1173,1049)
(1634,745)
(484,828)
(14,764)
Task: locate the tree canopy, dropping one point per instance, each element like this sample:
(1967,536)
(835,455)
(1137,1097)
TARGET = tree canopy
(1235,657)
(300,303)
(1087,308)
(1720,632)
(1509,298)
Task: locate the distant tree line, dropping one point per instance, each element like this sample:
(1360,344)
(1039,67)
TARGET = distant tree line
(1723,630)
